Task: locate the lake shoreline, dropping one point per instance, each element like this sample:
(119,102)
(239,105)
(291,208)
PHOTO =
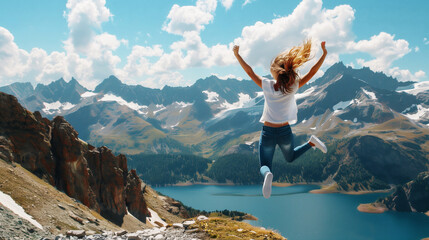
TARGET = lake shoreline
(324,188)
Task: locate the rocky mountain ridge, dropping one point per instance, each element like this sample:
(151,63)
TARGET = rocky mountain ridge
(211,115)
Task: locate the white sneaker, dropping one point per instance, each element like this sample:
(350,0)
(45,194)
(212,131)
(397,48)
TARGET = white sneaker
(266,188)
(318,144)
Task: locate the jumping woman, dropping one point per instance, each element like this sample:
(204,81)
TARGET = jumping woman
(280,108)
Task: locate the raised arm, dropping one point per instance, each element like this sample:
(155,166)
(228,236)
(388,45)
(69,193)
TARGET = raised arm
(257,79)
(315,68)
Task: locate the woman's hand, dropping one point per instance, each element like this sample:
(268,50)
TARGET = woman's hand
(235,49)
(324,48)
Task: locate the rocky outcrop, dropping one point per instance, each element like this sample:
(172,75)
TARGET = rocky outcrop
(28,137)
(134,196)
(54,152)
(411,197)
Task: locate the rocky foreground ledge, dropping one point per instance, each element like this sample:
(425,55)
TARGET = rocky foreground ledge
(197,228)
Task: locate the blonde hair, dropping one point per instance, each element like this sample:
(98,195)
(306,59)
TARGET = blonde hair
(286,63)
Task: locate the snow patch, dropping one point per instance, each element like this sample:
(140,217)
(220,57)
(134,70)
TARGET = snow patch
(183,104)
(136,107)
(55,107)
(160,108)
(211,96)
(244,100)
(342,105)
(8,202)
(306,93)
(355,120)
(421,111)
(88,94)
(417,88)
(155,218)
(371,95)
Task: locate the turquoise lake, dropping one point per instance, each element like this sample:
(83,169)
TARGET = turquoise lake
(299,215)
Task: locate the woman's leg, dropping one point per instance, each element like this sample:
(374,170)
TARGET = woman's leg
(267,145)
(286,144)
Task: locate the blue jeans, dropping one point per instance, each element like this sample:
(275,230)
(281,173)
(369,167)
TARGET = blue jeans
(282,136)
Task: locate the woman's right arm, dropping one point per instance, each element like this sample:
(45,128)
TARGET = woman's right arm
(257,79)
(315,68)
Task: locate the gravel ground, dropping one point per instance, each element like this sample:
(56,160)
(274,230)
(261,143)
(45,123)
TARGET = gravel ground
(14,227)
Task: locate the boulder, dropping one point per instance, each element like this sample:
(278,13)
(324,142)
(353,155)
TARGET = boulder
(76,233)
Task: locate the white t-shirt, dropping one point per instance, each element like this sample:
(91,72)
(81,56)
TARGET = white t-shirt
(279,107)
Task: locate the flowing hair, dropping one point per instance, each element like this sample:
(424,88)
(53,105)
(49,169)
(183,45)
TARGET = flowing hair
(286,63)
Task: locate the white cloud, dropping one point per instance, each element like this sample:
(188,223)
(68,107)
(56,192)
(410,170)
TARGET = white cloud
(384,48)
(227,4)
(405,75)
(190,18)
(227,77)
(247,2)
(425,40)
(416,49)
(35,66)
(82,17)
(420,74)
(261,42)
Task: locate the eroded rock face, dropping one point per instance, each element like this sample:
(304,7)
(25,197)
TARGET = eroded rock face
(53,151)
(134,196)
(72,174)
(27,135)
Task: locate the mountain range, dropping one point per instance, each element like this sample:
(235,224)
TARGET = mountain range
(376,127)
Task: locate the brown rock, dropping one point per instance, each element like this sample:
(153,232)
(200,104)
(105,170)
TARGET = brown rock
(76,233)
(28,138)
(76,218)
(134,197)
(72,169)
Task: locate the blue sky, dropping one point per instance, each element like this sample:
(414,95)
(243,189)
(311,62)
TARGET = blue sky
(157,43)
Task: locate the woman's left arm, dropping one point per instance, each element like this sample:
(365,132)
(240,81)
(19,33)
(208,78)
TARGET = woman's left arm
(315,68)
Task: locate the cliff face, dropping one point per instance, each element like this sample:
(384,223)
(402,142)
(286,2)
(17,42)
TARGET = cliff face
(53,152)
(411,197)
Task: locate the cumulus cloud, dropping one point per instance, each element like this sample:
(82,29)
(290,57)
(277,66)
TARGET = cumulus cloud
(425,41)
(34,66)
(190,18)
(227,3)
(405,75)
(83,16)
(90,52)
(384,48)
(261,42)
